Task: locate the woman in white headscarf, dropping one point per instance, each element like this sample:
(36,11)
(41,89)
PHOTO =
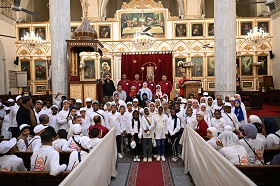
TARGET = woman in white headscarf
(212,134)
(231,149)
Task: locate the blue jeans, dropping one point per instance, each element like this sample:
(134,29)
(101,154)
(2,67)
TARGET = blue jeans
(160,147)
(147,143)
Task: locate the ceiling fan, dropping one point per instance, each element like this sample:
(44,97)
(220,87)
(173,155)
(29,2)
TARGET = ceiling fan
(16,7)
(270,3)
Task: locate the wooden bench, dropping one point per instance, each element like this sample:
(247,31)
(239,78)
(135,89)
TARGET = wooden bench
(262,174)
(31,178)
(64,158)
(269,154)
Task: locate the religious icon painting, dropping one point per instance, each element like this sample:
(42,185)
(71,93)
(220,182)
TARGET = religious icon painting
(22,31)
(179,69)
(89,69)
(211,85)
(25,66)
(40,88)
(247,84)
(104,32)
(263,25)
(247,65)
(180,29)
(263,68)
(41,31)
(246,27)
(197,70)
(210,31)
(105,67)
(197,29)
(210,66)
(40,70)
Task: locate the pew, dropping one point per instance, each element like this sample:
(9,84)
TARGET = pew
(64,158)
(31,178)
(269,154)
(262,174)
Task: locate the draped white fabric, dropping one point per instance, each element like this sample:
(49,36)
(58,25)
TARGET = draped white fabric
(206,165)
(98,167)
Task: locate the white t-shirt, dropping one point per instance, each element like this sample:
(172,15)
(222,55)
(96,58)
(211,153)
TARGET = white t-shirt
(272,140)
(11,163)
(71,144)
(46,159)
(191,121)
(236,154)
(258,146)
(114,121)
(62,121)
(74,159)
(94,142)
(145,125)
(53,122)
(59,143)
(171,128)
(34,144)
(13,115)
(160,126)
(231,121)
(21,144)
(219,124)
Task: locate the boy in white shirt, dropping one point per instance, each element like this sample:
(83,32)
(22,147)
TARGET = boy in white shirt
(35,143)
(85,122)
(38,110)
(6,124)
(128,119)
(53,118)
(24,138)
(61,140)
(77,156)
(96,135)
(63,116)
(147,126)
(73,141)
(46,158)
(9,161)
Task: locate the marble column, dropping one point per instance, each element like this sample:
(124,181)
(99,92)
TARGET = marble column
(225,46)
(60,28)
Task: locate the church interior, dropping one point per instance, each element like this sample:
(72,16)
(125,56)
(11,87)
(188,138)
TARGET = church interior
(67,47)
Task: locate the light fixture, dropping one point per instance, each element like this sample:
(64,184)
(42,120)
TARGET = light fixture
(256,37)
(143,40)
(31,40)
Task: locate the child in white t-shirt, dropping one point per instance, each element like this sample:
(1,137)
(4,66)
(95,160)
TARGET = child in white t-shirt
(218,122)
(24,138)
(61,140)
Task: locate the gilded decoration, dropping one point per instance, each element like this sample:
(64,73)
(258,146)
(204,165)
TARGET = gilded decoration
(263,47)
(247,47)
(263,54)
(23,52)
(164,48)
(39,52)
(196,48)
(88,91)
(76,91)
(181,49)
(137,4)
(121,49)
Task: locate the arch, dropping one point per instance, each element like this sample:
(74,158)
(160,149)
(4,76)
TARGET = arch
(103,7)
(181,7)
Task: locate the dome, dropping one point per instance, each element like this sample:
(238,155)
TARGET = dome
(85,31)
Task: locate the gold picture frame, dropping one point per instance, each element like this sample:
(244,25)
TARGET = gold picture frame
(180,30)
(104,31)
(247,85)
(197,29)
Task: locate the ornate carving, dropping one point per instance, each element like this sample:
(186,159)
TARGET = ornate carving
(137,4)
(105,50)
(90,91)
(23,52)
(263,54)
(39,52)
(121,49)
(247,47)
(181,49)
(263,47)
(196,48)
(76,91)
(164,48)
(180,56)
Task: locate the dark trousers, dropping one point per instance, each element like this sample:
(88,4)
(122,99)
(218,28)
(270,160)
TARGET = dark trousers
(147,143)
(119,143)
(174,144)
(127,147)
(160,147)
(136,151)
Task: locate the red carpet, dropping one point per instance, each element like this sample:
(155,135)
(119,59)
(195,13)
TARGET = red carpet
(267,110)
(150,174)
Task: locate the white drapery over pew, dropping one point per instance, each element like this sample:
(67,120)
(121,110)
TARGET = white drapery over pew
(98,167)
(206,165)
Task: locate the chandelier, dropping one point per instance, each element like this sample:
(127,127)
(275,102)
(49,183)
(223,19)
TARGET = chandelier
(143,40)
(31,40)
(256,37)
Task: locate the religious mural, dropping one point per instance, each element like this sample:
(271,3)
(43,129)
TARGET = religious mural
(41,32)
(263,68)
(105,68)
(247,65)
(210,66)
(89,69)
(181,29)
(40,70)
(197,70)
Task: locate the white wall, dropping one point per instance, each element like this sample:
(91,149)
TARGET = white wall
(275,65)
(7,51)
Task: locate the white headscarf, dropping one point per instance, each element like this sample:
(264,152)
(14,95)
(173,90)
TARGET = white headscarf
(214,132)
(255,119)
(228,139)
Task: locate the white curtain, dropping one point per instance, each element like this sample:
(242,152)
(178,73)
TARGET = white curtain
(206,165)
(98,167)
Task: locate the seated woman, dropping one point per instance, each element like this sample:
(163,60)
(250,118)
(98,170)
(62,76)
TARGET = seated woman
(273,133)
(212,134)
(202,126)
(132,94)
(254,147)
(231,149)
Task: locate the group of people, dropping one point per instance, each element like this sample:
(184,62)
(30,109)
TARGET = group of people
(145,125)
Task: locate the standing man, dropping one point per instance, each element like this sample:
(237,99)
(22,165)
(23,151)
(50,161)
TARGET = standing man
(108,87)
(126,84)
(13,116)
(180,83)
(166,86)
(151,84)
(137,83)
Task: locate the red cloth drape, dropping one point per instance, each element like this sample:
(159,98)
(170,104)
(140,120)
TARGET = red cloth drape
(132,63)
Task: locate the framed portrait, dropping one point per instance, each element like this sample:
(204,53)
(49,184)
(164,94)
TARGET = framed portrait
(40,88)
(197,29)
(180,29)
(211,85)
(210,29)
(25,66)
(130,22)
(247,65)
(22,31)
(263,68)
(105,67)
(246,27)
(197,70)
(210,66)
(104,31)
(179,69)
(40,70)
(264,25)
(89,69)
(247,84)
(41,31)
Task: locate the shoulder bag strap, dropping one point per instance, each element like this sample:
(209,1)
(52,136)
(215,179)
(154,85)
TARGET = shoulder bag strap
(147,120)
(276,134)
(76,141)
(254,151)
(30,142)
(79,157)
(230,119)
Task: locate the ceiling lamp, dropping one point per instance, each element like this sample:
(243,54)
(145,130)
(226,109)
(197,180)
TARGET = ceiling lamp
(256,37)
(31,40)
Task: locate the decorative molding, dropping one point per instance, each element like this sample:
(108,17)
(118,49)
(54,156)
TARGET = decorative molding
(23,52)
(248,47)
(137,4)
(263,54)
(263,47)
(180,49)
(180,56)
(39,52)
(247,54)
(196,48)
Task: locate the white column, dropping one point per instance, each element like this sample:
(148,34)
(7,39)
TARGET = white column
(225,46)
(60,27)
